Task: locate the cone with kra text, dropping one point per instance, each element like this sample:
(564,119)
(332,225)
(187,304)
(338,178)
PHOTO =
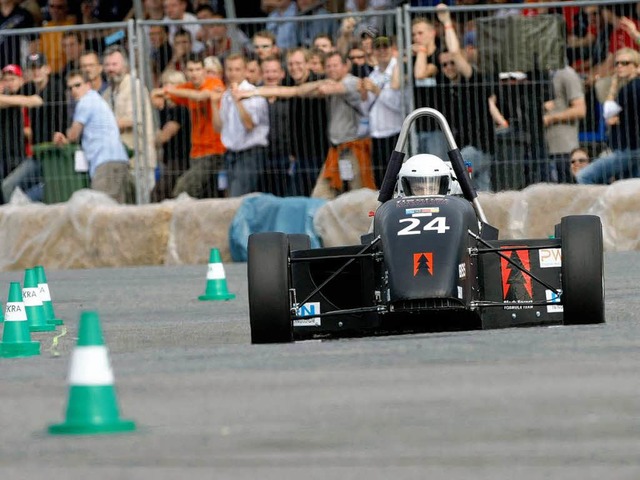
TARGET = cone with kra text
(16,338)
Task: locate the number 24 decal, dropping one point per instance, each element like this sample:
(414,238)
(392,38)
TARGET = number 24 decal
(438,224)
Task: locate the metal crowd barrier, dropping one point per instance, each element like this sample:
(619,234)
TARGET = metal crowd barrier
(516,50)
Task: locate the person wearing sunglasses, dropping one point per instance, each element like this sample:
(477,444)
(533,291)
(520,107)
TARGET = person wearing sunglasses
(94,123)
(461,88)
(621,111)
(579,158)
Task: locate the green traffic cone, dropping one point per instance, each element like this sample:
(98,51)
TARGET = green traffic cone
(16,339)
(45,295)
(216,280)
(92,407)
(33,304)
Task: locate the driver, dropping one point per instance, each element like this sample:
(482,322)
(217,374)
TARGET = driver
(425,174)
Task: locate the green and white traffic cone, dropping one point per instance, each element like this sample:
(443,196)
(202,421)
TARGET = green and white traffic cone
(35,311)
(92,407)
(16,338)
(216,279)
(45,296)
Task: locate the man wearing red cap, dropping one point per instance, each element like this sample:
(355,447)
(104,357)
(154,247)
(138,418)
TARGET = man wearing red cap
(12,137)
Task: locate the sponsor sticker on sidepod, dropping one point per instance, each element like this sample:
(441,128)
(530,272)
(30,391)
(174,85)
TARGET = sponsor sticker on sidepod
(550,257)
(308,310)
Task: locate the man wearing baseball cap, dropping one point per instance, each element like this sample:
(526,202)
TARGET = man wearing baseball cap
(13,100)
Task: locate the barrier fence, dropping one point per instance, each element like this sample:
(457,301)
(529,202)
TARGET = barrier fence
(522,67)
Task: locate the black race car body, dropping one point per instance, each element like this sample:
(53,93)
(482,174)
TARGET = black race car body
(429,263)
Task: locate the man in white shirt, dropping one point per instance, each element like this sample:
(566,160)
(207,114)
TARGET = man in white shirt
(384,104)
(244,127)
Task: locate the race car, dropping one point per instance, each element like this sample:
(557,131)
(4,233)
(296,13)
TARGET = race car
(430,262)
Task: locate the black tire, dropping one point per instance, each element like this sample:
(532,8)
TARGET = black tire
(299,241)
(268,284)
(582,270)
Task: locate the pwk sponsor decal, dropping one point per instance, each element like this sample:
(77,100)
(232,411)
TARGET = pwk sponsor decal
(550,257)
(422,212)
(308,310)
(554,298)
(423,264)
(462,270)
(516,284)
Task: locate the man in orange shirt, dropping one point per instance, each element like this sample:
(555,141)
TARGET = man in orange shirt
(207,150)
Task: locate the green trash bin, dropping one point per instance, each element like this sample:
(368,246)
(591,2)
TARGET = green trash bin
(58,171)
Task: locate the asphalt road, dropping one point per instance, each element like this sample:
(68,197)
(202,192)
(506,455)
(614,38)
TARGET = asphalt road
(558,403)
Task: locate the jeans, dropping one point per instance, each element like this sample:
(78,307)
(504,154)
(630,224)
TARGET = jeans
(244,170)
(28,176)
(614,166)
(481,164)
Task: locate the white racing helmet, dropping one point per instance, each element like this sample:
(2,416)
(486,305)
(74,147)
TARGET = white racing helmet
(424,174)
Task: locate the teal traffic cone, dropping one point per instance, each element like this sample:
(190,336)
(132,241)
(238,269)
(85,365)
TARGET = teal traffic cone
(16,339)
(92,406)
(45,296)
(216,280)
(35,311)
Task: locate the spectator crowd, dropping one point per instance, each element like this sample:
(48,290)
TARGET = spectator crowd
(313,106)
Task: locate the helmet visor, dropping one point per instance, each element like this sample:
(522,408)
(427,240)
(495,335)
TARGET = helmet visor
(417,186)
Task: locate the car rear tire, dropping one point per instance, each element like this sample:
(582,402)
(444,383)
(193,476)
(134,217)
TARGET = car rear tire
(268,284)
(582,270)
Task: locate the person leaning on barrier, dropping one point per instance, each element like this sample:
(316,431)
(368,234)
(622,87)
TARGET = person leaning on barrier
(243,124)
(280,167)
(13,156)
(384,104)
(425,77)
(348,161)
(174,137)
(463,89)
(120,98)
(206,158)
(95,124)
(309,123)
(621,111)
